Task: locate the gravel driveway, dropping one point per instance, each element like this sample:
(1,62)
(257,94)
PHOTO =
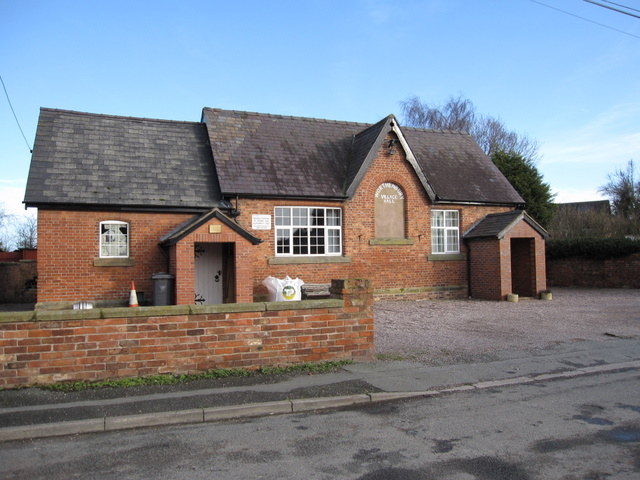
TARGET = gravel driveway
(439,332)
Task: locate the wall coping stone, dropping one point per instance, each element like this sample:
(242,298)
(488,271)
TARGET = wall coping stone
(304,304)
(56,315)
(10,317)
(227,308)
(164,311)
(399,291)
(161,311)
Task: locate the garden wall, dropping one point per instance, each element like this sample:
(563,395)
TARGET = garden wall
(621,272)
(44,347)
(18,281)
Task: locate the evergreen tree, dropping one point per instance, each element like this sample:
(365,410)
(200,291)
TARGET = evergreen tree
(527,180)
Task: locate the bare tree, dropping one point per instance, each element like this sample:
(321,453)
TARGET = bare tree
(4,232)
(26,232)
(17,231)
(457,114)
(624,192)
(460,114)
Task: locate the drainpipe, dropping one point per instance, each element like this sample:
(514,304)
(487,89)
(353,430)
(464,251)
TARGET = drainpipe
(467,243)
(165,253)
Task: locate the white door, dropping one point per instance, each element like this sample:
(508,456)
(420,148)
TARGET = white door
(208,270)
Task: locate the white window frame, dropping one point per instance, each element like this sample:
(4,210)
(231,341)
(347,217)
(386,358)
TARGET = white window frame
(445,232)
(295,224)
(114,244)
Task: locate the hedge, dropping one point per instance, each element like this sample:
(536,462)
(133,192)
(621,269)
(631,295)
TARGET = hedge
(592,248)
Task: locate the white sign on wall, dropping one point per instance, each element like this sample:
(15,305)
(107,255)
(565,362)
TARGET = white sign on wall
(261,222)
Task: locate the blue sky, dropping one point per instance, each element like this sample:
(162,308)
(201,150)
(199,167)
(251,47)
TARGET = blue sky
(565,81)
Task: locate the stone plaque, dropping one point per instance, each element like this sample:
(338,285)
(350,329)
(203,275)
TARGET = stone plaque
(389,205)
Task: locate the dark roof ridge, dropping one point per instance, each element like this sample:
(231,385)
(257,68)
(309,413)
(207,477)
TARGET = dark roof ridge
(583,202)
(435,130)
(374,125)
(515,212)
(119,117)
(292,117)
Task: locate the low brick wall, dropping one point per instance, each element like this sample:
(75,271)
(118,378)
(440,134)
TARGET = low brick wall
(44,347)
(577,272)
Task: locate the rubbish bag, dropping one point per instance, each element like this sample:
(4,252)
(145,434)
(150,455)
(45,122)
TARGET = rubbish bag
(283,290)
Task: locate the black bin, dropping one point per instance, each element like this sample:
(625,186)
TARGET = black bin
(162,289)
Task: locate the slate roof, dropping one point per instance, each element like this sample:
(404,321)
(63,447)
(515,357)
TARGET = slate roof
(497,225)
(585,207)
(457,169)
(89,159)
(280,156)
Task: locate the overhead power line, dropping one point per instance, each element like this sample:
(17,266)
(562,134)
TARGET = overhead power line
(612,8)
(619,5)
(585,19)
(14,114)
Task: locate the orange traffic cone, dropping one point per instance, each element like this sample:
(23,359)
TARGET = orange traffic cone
(133,297)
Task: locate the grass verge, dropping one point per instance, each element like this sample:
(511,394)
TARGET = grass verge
(169,379)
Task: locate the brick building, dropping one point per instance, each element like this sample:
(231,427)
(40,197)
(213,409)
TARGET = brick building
(223,203)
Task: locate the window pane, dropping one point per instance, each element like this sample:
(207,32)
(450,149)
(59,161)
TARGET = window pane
(452,240)
(334,241)
(437,219)
(299,217)
(451,219)
(316,241)
(333,217)
(300,241)
(283,243)
(317,216)
(437,241)
(283,216)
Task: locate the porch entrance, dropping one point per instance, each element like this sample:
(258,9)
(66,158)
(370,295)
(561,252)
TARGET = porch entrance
(214,273)
(523,266)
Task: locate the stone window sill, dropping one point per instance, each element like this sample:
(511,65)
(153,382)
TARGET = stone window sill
(304,260)
(391,241)
(113,262)
(446,256)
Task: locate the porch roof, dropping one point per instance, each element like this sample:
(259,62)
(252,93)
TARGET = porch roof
(184,229)
(497,225)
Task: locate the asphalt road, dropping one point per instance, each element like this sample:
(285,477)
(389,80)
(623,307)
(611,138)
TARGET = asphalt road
(580,428)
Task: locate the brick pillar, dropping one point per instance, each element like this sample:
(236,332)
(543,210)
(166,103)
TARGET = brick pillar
(357,315)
